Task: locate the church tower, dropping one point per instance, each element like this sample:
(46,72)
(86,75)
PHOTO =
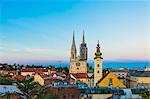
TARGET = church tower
(73,50)
(97,65)
(83,49)
(78,64)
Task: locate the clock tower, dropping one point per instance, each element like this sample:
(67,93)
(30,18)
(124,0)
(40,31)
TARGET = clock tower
(97,65)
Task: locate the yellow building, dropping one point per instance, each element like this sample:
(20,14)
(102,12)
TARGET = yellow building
(42,78)
(97,65)
(110,80)
(140,78)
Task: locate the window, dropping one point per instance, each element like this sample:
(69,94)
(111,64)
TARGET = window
(98,65)
(72,96)
(97,71)
(64,96)
(77,64)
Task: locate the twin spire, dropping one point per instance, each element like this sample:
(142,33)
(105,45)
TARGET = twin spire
(73,41)
(83,40)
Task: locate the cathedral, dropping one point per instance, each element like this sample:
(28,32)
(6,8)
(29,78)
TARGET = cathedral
(78,64)
(78,68)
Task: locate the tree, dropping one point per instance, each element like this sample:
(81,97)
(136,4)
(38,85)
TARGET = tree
(6,80)
(146,94)
(66,70)
(27,86)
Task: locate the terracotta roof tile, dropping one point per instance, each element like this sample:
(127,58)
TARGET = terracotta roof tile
(44,76)
(34,70)
(53,69)
(80,75)
(92,77)
(12,72)
(20,77)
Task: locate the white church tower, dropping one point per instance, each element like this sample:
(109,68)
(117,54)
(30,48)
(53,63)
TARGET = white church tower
(97,65)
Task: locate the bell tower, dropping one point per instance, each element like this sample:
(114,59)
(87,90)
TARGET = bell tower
(97,65)
(83,49)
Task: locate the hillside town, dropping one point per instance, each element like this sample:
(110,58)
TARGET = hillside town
(78,81)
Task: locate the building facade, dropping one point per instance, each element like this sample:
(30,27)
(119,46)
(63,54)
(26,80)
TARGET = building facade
(138,78)
(97,65)
(78,64)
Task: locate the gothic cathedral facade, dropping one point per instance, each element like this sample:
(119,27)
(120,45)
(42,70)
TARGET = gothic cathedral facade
(78,64)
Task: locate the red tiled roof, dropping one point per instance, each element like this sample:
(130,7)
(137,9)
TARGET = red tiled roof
(3,71)
(53,69)
(12,72)
(10,78)
(44,76)
(92,77)
(80,75)
(20,77)
(34,70)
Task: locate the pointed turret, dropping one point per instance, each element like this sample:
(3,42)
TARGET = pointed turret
(73,48)
(83,49)
(73,41)
(83,40)
(98,53)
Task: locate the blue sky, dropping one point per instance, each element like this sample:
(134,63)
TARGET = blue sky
(41,31)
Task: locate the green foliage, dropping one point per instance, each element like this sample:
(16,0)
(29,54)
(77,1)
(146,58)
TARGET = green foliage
(90,69)
(146,94)
(66,69)
(26,85)
(4,80)
(59,69)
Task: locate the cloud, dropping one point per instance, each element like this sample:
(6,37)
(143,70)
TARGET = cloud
(33,54)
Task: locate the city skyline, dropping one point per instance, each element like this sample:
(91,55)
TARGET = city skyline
(42,32)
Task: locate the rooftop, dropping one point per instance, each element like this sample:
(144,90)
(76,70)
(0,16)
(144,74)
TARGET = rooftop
(34,70)
(140,74)
(80,75)
(9,88)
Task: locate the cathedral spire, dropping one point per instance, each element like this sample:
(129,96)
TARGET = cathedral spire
(73,48)
(83,49)
(73,41)
(83,40)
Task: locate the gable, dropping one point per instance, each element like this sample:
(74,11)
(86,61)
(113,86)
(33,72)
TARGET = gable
(104,82)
